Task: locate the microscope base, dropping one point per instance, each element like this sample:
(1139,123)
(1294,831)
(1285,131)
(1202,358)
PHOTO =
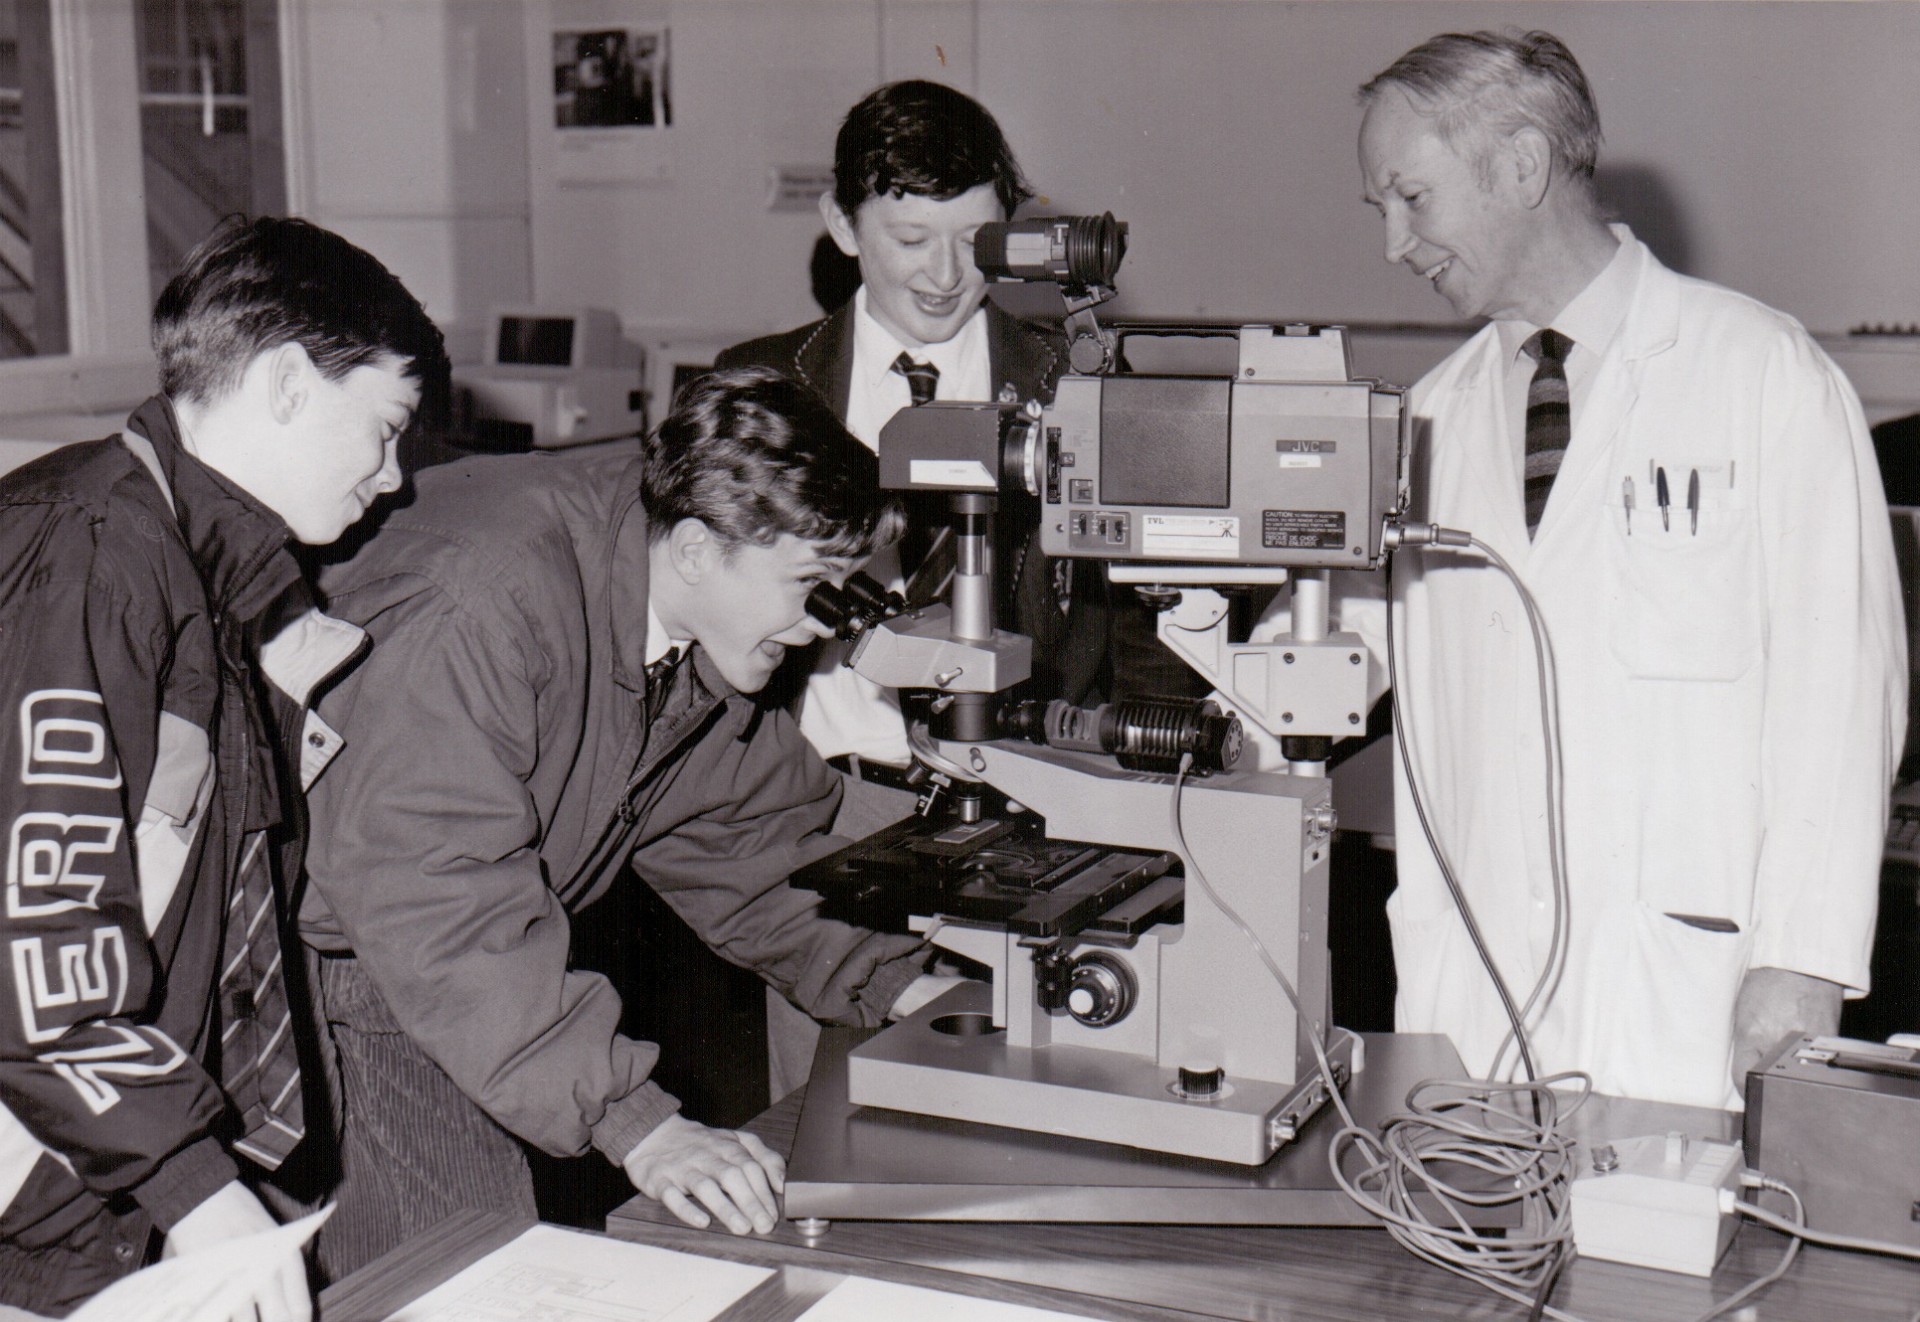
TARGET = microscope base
(930,1065)
(863,1163)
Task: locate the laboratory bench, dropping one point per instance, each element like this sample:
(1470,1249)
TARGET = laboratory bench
(1247,1273)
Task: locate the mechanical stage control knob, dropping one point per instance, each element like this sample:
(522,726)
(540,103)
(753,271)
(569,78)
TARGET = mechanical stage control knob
(1101,990)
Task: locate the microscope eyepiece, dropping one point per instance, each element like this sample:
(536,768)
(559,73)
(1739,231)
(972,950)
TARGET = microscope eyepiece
(1070,250)
(853,607)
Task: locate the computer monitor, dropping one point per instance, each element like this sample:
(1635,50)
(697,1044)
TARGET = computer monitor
(557,337)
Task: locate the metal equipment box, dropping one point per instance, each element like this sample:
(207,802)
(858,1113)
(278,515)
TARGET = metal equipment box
(1839,1121)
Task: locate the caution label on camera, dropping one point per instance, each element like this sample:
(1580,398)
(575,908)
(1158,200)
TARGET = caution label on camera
(1303,530)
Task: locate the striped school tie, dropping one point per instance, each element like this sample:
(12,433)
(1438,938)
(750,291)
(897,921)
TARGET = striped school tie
(921,378)
(259,1057)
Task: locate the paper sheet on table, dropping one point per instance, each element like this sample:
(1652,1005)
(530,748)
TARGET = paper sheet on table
(207,1283)
(555,1275)
(858,1299)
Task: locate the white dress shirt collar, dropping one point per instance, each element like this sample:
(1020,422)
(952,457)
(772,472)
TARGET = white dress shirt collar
(876,392)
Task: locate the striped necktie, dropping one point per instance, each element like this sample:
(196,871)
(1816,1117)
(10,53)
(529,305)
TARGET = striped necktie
(259,1057)
(921,378)
(1549,418)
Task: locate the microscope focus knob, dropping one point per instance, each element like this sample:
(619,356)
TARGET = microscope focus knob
(1204,1080)
(1100,991)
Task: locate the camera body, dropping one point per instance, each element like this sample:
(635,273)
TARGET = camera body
(1291,462)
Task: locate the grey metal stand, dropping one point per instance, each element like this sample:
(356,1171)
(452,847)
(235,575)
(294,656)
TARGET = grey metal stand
(867,1164)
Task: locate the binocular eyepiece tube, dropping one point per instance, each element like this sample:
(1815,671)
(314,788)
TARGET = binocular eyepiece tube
(854,607)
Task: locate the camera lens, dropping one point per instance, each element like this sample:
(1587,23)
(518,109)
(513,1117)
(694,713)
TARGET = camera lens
(1095,246)
(1142,734)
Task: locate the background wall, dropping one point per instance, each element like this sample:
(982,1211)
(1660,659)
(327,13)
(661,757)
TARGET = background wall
(407,132)
(1772,146)
(1775,147)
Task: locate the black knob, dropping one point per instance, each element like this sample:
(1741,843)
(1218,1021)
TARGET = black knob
(1204,1081)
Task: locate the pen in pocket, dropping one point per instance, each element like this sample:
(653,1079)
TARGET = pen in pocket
(1705,923)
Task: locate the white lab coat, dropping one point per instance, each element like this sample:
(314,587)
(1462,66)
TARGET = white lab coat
(1732,701)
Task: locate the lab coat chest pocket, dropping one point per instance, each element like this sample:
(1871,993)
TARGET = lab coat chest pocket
(1685,597)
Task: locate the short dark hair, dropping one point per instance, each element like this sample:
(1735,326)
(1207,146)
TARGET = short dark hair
(754,454)
(926,139)
(254,285)
(1477,84)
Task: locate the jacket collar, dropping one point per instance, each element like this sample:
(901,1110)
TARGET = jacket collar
(1023,363)
(824,359)
(238,545)
(629,559)
(1653,319)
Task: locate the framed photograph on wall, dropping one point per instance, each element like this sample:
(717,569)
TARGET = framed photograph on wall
(610,116)
(611,78)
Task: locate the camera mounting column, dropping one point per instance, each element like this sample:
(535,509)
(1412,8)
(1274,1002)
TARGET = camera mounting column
(969,715)
(973,566)
(1307,754)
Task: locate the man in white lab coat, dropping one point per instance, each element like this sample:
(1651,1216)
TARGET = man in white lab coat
(1714,568)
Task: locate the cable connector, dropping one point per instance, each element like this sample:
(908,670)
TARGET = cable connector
(1397,534)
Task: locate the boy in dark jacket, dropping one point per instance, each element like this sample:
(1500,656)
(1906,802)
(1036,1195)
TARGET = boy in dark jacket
(567,652)
(157,648)
(918,168)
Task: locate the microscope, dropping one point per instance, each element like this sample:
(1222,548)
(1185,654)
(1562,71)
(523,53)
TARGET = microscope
(1152,917)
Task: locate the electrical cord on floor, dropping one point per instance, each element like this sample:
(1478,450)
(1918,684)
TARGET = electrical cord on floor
(1545,1290)
(1824,1239)
(1440,1152)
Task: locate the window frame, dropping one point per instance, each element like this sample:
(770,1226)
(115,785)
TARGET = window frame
(108,362)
